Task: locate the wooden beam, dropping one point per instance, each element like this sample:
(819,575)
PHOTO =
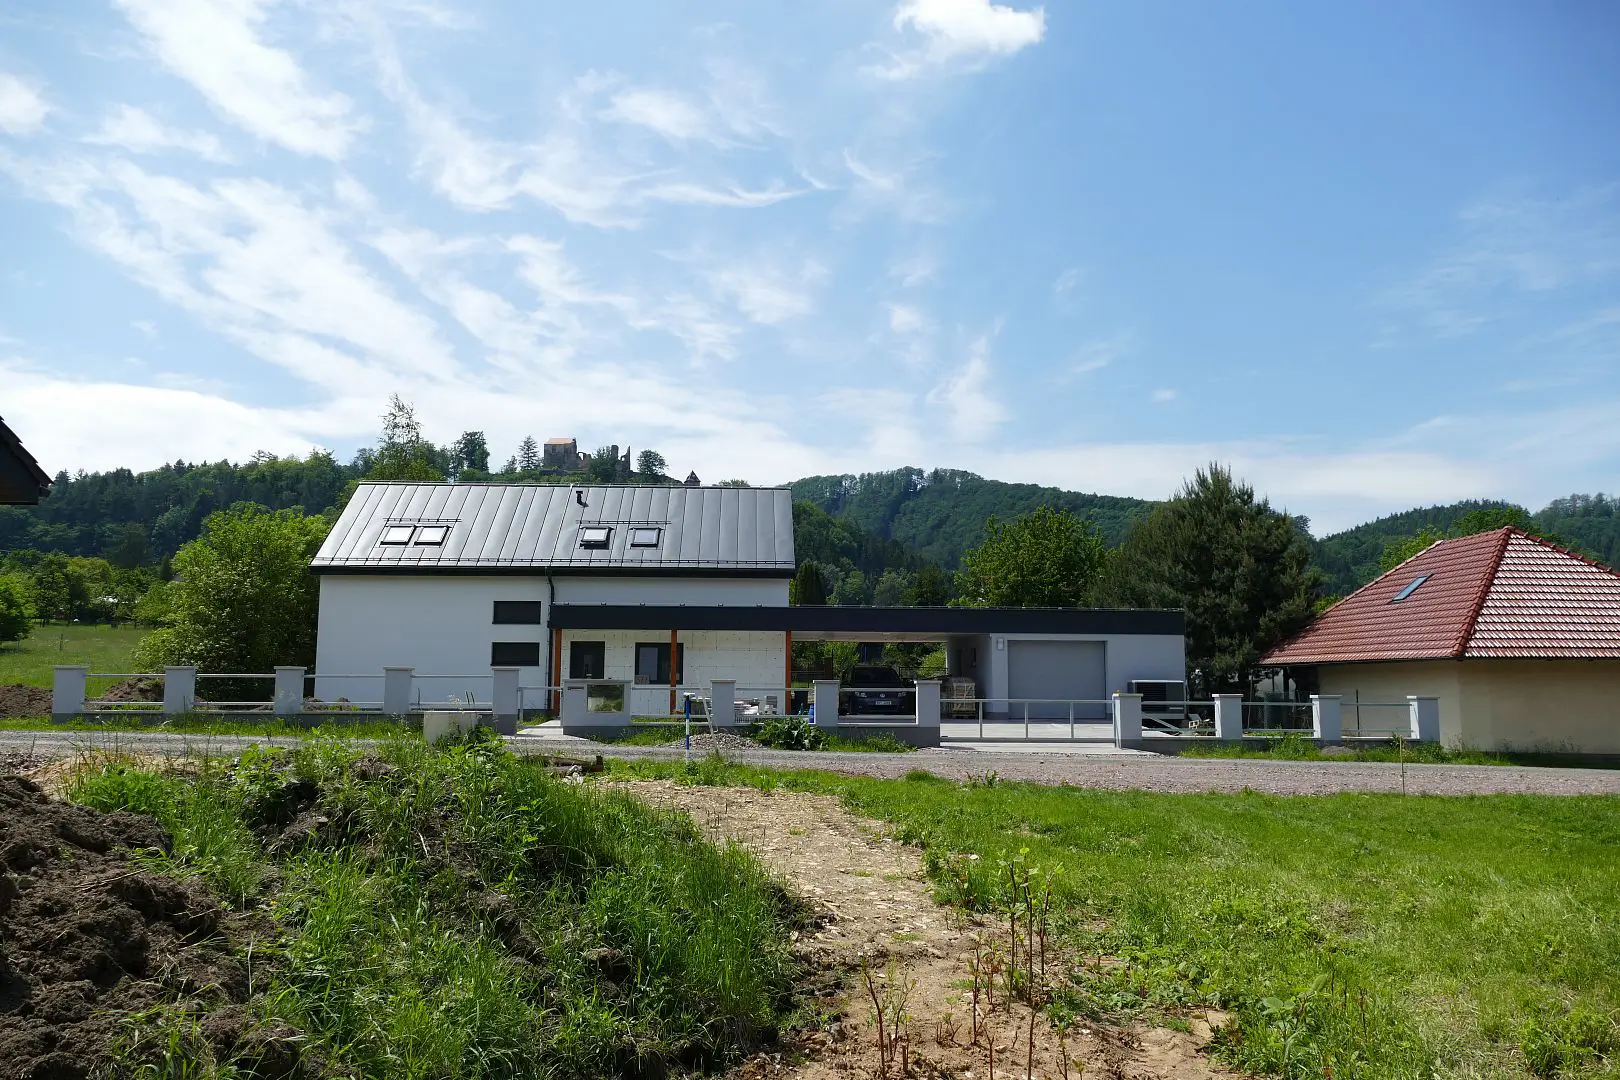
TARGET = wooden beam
(556,670)
(787,674)
(674,668)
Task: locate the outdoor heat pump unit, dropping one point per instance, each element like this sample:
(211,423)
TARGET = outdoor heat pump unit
(1161,697)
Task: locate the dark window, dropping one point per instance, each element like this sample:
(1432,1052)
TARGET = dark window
(587,660)
(652,662)
(514,654)
(1410,588)
(519,612)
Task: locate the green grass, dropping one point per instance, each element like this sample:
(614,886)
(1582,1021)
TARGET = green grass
(1350,935)
(1298,747)
(462,913)
(205,724)
(103,648)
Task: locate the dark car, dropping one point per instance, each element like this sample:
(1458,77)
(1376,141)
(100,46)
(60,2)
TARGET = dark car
(874,690)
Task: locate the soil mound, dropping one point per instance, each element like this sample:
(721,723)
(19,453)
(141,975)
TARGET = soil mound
(88,936)
(19,700)
(134,690)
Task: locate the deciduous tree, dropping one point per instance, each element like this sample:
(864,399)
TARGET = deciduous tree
(651,463)
(471,451)
(1046,558)
(16,609)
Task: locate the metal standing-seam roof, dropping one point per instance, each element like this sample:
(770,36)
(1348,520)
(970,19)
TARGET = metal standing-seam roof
(1498,594)
(542,528)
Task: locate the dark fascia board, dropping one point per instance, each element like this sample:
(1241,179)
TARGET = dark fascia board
(22,481)
(614,570)
(877,620)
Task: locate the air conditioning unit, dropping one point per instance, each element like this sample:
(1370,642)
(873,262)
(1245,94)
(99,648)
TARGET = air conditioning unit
(1161,697)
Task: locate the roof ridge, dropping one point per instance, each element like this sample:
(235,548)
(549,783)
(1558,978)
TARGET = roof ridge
(1505,533)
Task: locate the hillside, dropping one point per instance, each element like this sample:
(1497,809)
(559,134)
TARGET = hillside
(941,514)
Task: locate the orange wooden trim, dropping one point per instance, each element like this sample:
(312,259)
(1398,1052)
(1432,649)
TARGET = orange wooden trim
(787,670)
(674,669)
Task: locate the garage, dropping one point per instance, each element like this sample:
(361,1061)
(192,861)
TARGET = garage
(1061,670)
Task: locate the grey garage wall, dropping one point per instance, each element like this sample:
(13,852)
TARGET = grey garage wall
(1065,670)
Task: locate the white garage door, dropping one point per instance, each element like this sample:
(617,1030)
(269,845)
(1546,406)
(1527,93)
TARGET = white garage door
(1062,670)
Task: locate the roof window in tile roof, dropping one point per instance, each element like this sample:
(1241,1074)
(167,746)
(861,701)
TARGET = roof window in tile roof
(1411,587)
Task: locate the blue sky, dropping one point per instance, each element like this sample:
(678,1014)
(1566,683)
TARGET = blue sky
(1369,254)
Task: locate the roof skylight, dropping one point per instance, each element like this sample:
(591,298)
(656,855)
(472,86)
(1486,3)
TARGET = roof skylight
(397,534)
(1411,587)
(644,537)
(432,534)
(595,536)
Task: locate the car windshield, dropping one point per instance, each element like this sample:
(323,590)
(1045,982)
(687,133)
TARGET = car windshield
(875,676)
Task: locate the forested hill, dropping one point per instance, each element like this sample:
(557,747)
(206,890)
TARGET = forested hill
(1588,523)
(941,514)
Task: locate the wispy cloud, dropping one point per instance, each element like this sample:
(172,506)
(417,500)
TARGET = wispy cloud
(959,34)
(973,409)
(216,46)
(1066,282)
(22,107)
(1098,354)
(139,132)
(1163,395)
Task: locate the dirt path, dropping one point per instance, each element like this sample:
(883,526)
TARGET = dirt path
(880,916)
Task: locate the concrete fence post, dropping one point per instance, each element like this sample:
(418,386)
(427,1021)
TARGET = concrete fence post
(67,691)
(396,699)
(928,695)
(723,704)
(504,699)
(1127,720)
(1425,716)
(575,707)
(827,704)
(1327,718)
(289,691)
(179,689)
(1228,717)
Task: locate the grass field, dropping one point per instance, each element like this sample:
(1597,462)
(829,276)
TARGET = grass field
(1299,747)
(204,724)
(1349,936)
(462,913)
(103,648)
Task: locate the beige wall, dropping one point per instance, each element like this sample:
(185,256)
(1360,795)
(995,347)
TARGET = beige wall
(1553,705)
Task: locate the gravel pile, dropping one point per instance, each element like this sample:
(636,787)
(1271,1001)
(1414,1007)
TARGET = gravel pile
(723,741)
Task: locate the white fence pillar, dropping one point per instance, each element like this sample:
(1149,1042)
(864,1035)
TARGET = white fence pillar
(723,704)
(1425,716)
(396,699)
(827,704)
(575,707)
(1327,717)
(289,691)
(179,689)
(504,699)
(67,691)
(1228,716)
(928,704)
(1127,719)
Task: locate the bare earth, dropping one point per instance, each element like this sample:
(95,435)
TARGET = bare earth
(879,914)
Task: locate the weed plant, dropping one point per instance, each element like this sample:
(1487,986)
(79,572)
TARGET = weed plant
(461,913)
(1348,935)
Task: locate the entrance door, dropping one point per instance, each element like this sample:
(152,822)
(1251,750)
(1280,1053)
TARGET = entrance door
(1061,670)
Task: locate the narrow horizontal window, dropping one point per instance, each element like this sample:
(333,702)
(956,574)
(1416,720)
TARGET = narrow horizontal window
(514,654)
(519,612)
(595,536)
(644,537)
(397,534)
(432,534)
(1411,587)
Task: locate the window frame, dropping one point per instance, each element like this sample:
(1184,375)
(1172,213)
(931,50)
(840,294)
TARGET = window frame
(389,530)
(661,673)
(495,659)
(595,536)
(639,531)
(1410,587)
(441,531)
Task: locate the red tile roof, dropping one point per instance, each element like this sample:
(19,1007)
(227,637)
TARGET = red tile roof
(1496,594)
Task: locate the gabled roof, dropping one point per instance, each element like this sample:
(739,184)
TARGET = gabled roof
(21,478)
(1496,594)
(543,528)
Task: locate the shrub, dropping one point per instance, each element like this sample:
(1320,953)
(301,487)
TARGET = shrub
(16,611)
(788,733)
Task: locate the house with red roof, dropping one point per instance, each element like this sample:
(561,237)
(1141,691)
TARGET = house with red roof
(1518,638)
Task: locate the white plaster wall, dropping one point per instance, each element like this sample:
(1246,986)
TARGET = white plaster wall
(437,625)
(729,592)
(1391,683)
(755,659)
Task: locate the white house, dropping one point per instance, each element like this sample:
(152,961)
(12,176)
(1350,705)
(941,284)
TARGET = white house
(662,587)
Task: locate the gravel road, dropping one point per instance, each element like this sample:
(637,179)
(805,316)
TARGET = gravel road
(1146,772)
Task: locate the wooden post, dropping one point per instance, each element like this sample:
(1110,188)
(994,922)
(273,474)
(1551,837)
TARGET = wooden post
(674,669)
(556,670)
(787,675)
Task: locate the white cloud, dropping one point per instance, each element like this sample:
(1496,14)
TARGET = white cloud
(913,271)
(766,293)
(960,33)
(139,132)
(1066,282)
(1162,395)
(145,326)
(973,411)
(215,45)
(906,320)
(1096,355)
(672,115)
(22,108)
